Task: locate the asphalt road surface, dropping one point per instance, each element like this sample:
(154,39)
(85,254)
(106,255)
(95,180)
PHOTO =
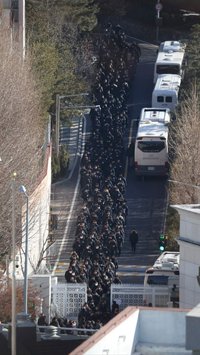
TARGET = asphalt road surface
(146,198)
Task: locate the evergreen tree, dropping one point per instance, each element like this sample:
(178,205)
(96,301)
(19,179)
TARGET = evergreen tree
(53,36)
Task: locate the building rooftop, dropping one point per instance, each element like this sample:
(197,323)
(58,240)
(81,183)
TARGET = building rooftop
(144,331)
(194,208)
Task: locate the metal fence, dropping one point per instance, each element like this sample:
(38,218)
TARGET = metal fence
(136,295)
(68,299)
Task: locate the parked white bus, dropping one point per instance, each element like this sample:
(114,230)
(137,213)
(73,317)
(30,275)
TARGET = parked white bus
(164,274)
(165,271)
(173,46)
(170,60)
(151,144)
(166,91)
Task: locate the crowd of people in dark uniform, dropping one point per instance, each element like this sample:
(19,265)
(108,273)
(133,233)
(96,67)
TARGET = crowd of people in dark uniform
(101,223)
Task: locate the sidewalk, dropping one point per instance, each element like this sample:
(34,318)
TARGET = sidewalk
(63,198)
(72,137)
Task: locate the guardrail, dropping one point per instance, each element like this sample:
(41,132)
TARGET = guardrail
(52,332)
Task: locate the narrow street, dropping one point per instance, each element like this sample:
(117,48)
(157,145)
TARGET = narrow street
(146,199)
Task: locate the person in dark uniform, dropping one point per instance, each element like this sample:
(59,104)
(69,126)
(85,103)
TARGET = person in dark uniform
(131,152)
(133,237)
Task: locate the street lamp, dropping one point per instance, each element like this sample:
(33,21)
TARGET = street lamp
(13,334)
(158,18)
(23,190)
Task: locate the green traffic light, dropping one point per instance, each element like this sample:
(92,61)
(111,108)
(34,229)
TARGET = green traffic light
(161,242)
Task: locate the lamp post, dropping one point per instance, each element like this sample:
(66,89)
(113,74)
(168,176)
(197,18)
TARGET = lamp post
(158,18)
(13,335)
(23,190)
(21,24)
(67,107)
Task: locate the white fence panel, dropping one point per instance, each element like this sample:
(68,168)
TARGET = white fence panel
(68,299)
(136,295)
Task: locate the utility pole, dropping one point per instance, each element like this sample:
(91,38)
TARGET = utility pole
(158,18)
(23,190)
(13,334)
(57,133)
(21,24)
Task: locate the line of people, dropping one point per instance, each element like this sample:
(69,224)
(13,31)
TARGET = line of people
(101,223)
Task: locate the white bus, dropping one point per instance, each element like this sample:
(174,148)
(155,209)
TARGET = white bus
(170,60)
(163,275)
(165,271)
(151,143)
(166,91)
(173,46)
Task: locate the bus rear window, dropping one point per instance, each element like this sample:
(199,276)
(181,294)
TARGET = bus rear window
(168,69)
(151,146)
(160,99)
(168,99)
(157,280)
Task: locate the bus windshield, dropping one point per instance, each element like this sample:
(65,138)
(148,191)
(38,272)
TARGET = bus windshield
(168,69)
(160,280)
(151,146)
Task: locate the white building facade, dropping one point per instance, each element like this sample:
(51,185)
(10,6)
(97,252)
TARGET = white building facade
(38,225)
(189,242)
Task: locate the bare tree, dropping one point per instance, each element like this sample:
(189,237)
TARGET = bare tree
(21,133)
(6,295)
(185,147)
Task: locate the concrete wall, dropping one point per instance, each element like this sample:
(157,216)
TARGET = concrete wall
(189,241)
(39,207)
(192,330)
(162,327)
(119,341)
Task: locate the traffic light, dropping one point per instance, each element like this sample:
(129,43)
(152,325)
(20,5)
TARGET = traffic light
(162,242)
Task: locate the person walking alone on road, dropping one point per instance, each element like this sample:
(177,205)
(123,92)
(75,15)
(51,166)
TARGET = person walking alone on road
(130,153)
(133,237)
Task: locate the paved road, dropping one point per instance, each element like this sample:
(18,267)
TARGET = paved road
(146,199)
(65,199)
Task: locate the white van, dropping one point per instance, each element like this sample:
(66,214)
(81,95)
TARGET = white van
(166,91)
